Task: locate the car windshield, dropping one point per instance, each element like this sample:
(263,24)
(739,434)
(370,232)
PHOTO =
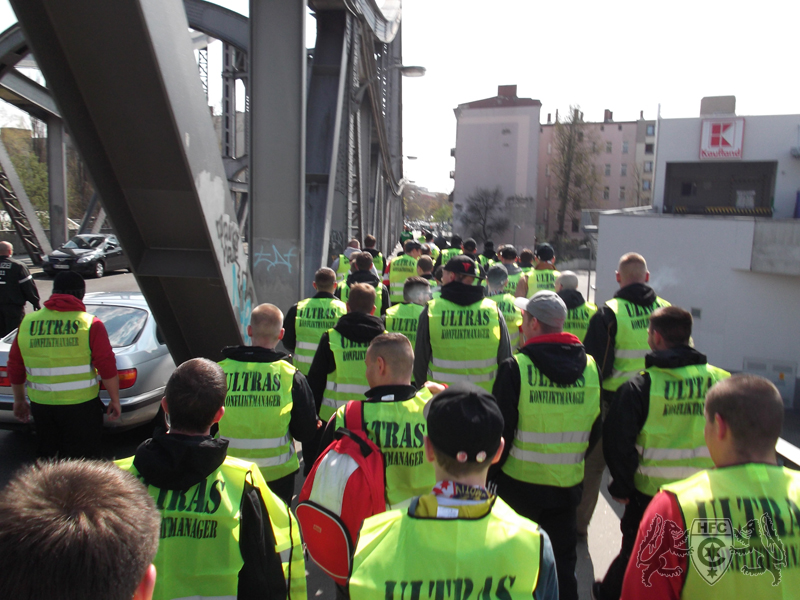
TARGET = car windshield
(84,242)
(123,323)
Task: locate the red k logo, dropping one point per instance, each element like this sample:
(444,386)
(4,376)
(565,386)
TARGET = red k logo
(466,267)
(722,135)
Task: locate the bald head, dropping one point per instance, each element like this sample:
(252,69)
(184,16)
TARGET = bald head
(567,281)
(325,280)
(397,360)
(266,325)
(632,269)
(6,249)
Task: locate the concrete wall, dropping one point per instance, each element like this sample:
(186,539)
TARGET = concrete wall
(766,138)
(705,263)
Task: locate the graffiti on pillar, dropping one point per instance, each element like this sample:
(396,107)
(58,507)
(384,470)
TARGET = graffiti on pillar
(336,243)
(228,237)
(269,256)
(243,296)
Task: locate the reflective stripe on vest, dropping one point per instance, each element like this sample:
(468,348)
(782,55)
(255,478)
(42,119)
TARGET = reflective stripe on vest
(630,344)
(398,429)
(403,318)
(541,279)
(258,410)
(400,269)
(578,318)
(56,350)
(493,557)
(314,317)
(512,315)
(554,425)
(349,379)
(671,444)
(464,342)
(760,502)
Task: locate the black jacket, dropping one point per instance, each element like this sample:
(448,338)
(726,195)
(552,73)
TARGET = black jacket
(289,331)
(562,362)
(628,413)
(602,333)
(303,421)
(16,284)
(357,327)
(368,277)
(463,295)
(381,266)
(178,462)
(573,299)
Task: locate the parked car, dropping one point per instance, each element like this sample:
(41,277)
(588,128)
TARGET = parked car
(143,361)
(88,254)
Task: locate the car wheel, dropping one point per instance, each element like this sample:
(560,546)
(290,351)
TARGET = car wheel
(99,269)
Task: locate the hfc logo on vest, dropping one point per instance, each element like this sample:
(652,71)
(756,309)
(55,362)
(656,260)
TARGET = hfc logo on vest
(710,544)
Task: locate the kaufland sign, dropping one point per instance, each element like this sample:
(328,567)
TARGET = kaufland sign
(722,139)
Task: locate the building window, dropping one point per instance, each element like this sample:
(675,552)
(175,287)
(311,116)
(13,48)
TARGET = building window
(651,130)
(576,225)
(547,192)
(547,171)
(648,166)
(608,147)
(624,147)
(506,132)
(580,136)
(549,148)
(608,170)
(619,127)
(606,193)
(645,185)
(578,181)
(623,171)
(602,128)
(545,215)
(649,148)
(622,192)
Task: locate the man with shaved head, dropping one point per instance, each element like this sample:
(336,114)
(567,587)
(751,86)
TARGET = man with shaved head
(579,310)
(617,340)
(393,418)
(364,272)
(268,403)
(16,288)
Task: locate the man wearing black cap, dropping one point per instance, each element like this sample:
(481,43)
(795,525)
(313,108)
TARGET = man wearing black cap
(60,350)
(462,336)
(508,257)
(549,394)
(460,534)
(488,256)
(470,248)
(544,274)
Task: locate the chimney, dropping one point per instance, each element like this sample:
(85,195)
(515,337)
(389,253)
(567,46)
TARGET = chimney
(549,120)
(608,116)
(641,115)
(507,91)
(556,115)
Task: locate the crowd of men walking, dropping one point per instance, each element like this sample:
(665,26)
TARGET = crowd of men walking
(496,393)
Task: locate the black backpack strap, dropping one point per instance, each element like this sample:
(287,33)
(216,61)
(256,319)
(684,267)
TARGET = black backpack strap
(363,446)
(354,416)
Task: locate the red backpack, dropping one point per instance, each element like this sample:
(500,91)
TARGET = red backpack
(344,487)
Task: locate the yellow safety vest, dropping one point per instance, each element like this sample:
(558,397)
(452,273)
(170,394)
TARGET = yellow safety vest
(554,425)
(464,342)
(449,253)
(378,296)
(403,318)
(343,270)
(671,444)
(58,358)
(511,285)
(541,279)
(400,269)
(349,380)
(258,409)
(398,429)
(630,346)
(512,315)
(198,552)
(314,317)
(400,557)
(577,322)
(744,495)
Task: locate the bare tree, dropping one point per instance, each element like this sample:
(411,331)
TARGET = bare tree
(577,182)
(484,214)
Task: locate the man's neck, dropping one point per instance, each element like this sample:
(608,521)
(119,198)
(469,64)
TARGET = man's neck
(265,344)
(189,433)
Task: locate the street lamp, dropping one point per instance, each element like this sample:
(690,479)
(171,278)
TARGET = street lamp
(405,71)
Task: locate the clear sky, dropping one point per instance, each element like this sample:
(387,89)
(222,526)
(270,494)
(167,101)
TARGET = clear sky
(624,55)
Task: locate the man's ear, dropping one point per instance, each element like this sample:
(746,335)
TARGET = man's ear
(722,427)
(164,405)
(499,453)
(144,591)
(218,416)
(372,312)
(250,330)
(429,455)
(647,277)
(280,335)
(617,275)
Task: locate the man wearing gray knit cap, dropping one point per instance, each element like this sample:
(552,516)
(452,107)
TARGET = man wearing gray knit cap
(549,394)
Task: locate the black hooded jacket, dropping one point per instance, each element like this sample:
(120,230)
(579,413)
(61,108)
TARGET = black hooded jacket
(303,421)
(563,362)
(463,295)
(628,414)
(368,277)
(602,333)
(355,326)
(178,462)
(572,298)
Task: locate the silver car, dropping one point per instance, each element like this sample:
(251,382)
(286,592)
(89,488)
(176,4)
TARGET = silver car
(143,361)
